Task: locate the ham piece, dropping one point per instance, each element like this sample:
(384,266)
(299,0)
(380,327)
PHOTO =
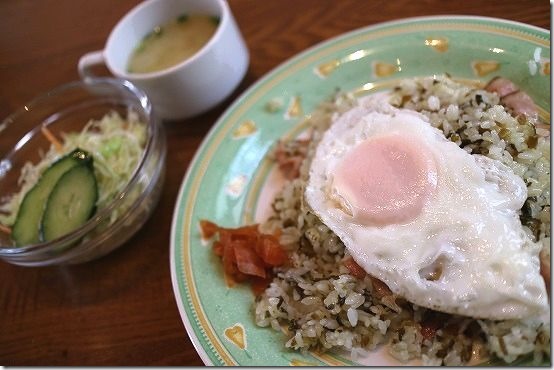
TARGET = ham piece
(519,102)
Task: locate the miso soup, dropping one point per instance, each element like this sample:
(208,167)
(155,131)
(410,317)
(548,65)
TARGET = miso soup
(172,43)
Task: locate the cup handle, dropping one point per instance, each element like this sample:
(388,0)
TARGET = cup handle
(87,61)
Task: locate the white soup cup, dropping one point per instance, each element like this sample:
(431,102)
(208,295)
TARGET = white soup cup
(191,87)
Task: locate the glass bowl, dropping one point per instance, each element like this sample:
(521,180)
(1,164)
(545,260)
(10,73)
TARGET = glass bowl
(26,135)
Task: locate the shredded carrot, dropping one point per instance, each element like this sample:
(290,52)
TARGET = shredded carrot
(51,138)
(5,229)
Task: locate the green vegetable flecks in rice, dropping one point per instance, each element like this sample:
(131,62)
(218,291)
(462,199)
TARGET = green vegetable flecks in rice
(182,18)
(317,293)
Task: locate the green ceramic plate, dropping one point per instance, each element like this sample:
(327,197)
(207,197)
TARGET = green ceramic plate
(231,182)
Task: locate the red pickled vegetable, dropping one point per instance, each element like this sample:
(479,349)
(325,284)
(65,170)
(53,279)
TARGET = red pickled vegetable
(259,285)
(248,262)
(380,289)
(433,322)
(218,248)
(355,270)
(246,253)
(271,252)
(208,228)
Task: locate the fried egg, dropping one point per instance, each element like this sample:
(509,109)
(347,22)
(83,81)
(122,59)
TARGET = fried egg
(438,225)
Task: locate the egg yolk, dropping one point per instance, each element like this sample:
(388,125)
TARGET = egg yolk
(385,180)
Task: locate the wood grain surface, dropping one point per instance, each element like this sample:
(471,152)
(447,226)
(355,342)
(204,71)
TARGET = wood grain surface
(120,309)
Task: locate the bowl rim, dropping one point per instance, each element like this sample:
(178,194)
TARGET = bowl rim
(152,136)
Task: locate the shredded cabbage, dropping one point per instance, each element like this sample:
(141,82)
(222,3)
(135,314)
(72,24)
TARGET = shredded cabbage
(116,144)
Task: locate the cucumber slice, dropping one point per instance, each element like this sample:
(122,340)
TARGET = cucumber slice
(71,203)
(26,229)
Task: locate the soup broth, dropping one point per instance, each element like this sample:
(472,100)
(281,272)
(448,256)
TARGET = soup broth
(172,43)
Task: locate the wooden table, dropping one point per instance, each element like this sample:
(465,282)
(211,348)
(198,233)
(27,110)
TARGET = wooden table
(120,309)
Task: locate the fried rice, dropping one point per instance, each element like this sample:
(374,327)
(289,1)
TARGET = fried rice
(319,304)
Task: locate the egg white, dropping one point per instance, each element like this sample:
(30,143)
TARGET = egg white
(469,231)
